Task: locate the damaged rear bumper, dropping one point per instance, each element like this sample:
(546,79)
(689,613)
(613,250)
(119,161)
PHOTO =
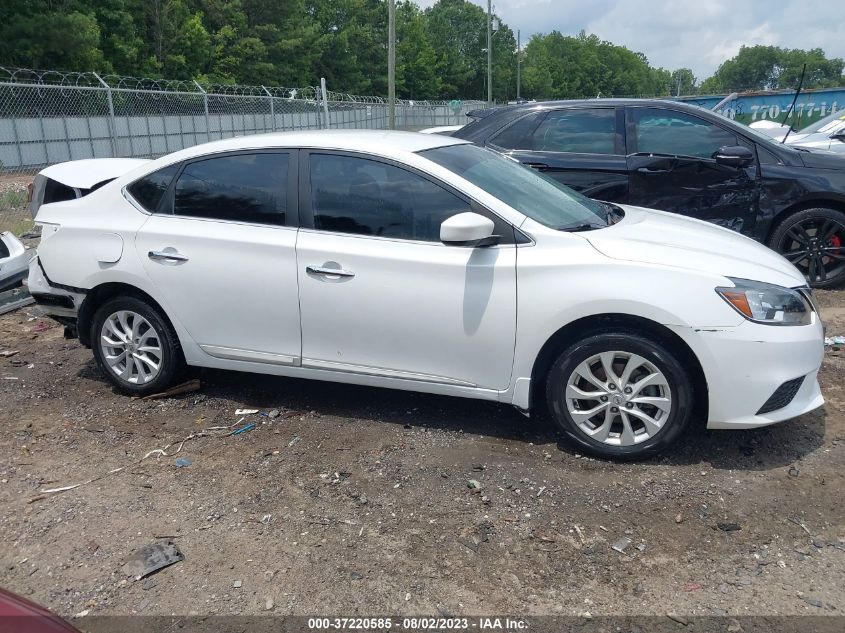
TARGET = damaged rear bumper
(56,301)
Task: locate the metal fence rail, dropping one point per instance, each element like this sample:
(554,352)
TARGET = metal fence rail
(47,117)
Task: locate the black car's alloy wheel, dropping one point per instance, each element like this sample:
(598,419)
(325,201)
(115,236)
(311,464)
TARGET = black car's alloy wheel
(814,240)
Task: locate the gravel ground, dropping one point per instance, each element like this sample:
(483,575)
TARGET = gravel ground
(356,500)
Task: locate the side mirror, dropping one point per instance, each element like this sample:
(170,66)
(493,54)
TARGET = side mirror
(839,135)
(734,156)
(468,229)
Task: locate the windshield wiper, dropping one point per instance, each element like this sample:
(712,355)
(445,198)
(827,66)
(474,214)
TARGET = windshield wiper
(586,226)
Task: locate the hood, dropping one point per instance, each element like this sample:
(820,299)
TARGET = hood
(822,159)
(87,172)
(655,237)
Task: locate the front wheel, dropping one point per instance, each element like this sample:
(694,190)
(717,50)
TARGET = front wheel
(135,346)
(814,241)
(620,395)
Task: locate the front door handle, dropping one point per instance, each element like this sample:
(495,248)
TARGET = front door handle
(171,256)
(538,166)
(337,272)
(649,170)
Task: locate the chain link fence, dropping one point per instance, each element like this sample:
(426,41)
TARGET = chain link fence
(48,117)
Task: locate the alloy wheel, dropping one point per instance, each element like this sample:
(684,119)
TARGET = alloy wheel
(131,347)
(815,246)
(618,398)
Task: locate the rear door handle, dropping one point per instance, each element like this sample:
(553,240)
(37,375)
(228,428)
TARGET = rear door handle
(649,170)
(538,166)
(171,256)
(337,272)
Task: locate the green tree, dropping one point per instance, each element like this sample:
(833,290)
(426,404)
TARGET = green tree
(683,82)
(773,68)
(557,66)
(418,66)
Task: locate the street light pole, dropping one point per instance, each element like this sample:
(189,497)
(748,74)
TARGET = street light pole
(518,65)
(391,63)
(489,54)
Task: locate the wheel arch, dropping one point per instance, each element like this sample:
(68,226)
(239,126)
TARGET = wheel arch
(594,324)
(102,293)
(808,203)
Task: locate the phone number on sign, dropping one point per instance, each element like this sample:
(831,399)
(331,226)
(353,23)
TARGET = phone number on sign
(375,624)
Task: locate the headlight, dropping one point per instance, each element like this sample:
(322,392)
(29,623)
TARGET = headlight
(768,304)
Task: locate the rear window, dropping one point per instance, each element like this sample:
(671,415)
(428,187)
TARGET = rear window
(149,190)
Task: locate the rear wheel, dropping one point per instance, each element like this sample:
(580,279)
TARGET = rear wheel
(135,346)
(620,395)
(814,240)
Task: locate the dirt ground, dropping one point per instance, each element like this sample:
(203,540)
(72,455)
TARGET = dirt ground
(355,500)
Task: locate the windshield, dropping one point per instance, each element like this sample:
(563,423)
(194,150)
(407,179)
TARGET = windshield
(829,123)
(526,190)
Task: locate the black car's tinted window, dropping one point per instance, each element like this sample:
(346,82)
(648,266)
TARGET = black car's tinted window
(149,189)
(660,131)
(517,134)
(243,187)
(583,131)
(367,197)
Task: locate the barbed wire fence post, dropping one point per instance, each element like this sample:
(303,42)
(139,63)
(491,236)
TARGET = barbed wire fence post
(112,126)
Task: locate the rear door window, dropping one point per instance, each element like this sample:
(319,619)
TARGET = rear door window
(149,190)
(241,187)
(574,130)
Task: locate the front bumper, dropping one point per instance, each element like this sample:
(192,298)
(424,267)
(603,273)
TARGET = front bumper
(745,365)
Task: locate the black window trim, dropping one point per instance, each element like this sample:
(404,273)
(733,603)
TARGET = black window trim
(630,131)
(165,205)
(306,215)
(618,133)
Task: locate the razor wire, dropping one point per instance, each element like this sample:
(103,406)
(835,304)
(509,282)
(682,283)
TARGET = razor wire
(49,116)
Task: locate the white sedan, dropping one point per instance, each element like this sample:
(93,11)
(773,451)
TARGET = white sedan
(425,263)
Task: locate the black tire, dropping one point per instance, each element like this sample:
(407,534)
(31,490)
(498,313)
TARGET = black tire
(658,356)
(171,361)
(824,262)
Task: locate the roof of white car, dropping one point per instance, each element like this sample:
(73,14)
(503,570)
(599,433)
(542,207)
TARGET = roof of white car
(381,142)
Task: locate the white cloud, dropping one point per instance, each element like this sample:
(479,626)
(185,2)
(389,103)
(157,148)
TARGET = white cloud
(698,34)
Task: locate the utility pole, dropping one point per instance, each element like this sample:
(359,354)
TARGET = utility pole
(518,65)
(391,63)
(489,54)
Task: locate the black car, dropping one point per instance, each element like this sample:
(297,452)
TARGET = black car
(682,158)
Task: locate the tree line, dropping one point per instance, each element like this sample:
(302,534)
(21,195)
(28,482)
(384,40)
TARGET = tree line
(441,51)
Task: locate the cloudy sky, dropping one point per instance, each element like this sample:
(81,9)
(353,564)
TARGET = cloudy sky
(697,34)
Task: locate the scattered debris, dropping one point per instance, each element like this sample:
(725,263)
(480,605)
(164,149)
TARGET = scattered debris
(245,411)
(151,558)
(692,586)
(621,545)
(268,603)
(793,471)
(243,429)
(183,462)
(729,527)
(237,584)
(296,440)
(677,618)
(679,518)
(473,485)
(834,340)
(641,546)
(800,523)
(580,534)
(813,602)
(185,387)
(356,576)
(7,353)
(82,613)
(275,413)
